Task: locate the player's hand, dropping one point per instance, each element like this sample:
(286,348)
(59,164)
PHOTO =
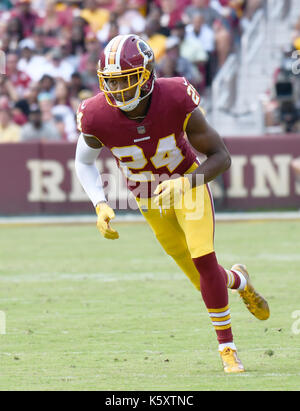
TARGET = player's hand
(105,213)
(169,192)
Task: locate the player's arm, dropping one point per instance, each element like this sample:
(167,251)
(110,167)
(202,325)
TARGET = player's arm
(206,140)
(87,151)
(87,171)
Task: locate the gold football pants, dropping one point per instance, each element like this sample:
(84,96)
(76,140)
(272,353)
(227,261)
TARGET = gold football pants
(185,232)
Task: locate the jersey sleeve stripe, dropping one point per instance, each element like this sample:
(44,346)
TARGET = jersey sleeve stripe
(89,135)
(186,120)
(189,115)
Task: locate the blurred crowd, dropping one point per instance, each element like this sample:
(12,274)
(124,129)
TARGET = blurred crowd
(52,47)
(282,103)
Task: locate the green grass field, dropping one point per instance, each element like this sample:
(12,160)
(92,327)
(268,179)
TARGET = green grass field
(84,313)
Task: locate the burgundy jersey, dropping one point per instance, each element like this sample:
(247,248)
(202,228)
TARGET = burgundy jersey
(154,149)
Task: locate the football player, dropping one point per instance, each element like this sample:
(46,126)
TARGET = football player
(153,127)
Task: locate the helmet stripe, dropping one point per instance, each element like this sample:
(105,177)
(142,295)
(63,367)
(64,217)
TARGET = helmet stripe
(113,50)
(107,51)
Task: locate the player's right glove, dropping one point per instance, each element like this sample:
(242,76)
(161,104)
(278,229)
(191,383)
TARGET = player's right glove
(105,213)
(169,192)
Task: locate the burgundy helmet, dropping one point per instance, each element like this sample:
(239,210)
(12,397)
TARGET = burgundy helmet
(131,58)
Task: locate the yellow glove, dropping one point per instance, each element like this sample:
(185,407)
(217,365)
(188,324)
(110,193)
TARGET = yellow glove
(169,192)
(105,213)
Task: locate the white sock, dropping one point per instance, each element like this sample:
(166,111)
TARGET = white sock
(230,345)
(242,278)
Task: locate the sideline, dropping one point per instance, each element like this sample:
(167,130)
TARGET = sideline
(136,218)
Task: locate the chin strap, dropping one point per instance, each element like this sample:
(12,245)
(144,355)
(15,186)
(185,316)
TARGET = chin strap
(131,106)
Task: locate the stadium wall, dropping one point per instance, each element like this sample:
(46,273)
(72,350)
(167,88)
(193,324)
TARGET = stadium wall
(39,177)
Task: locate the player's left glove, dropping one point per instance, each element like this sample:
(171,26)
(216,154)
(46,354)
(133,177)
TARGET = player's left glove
(169,192)
(105,213)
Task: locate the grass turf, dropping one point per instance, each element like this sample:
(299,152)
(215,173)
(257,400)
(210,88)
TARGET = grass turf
(84,313)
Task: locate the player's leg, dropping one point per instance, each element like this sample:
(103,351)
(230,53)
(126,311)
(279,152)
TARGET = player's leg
(171,237)
(236,278)
(196,217)
(256,303)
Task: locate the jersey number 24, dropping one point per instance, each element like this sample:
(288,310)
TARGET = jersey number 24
(167,155)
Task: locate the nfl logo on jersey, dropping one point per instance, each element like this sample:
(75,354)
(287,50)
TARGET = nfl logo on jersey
(141,129)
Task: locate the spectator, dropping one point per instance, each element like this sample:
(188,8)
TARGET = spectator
(39,38)
(77,40)
(26,15)
(199,30)
(156,14)
(47,85)
(61,93)
(210,15)
(60,42)
(139,5)
(64,112)
(9,131)
(31,64)
(154,38)
(171,13)
(29,100)
(18,116)
(239,6)
(80,22)
(57,67)
(109,30)
(89,79)
(223,42)
(70,55)
(7,89)
(46,103)
(129,20)
(76,85)
(19,79)
(231,12)
(66,13)
(50,24)
(7,101)
(37,129)
(15,31)
(172,64)
(190,48)
(75,89)
(95,16)
(92,45)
